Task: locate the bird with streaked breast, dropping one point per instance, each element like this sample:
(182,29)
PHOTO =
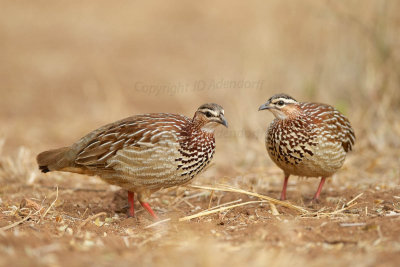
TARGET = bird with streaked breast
(143,153)
(307,139)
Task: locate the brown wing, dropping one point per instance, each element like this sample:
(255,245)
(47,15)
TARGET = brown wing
(138,132)
(335,125)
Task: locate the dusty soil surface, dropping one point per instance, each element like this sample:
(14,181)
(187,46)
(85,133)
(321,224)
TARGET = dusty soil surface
(64,230)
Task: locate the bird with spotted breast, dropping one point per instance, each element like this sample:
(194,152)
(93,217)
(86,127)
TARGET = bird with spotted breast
(307,139)
(142,153)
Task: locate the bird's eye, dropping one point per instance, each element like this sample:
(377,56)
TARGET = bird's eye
(208,114)
(280,103)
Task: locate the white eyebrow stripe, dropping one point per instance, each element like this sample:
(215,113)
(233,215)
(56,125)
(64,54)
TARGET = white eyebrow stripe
(285,100)
(214,113)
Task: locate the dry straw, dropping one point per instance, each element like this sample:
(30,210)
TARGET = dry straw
(234,204)
(227,188)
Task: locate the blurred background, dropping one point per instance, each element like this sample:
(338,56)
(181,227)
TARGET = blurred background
(68,67)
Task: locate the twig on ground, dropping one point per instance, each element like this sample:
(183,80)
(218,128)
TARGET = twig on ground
(16,223)
(188,203)
(51,205)
(274,210)
(354,199)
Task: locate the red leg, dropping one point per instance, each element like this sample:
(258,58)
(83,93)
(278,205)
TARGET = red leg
(131,212)
(321,184)
(147,207)
(283,193)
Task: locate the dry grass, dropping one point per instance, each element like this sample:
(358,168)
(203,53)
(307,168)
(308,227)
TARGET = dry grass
(69,67)
(20,168)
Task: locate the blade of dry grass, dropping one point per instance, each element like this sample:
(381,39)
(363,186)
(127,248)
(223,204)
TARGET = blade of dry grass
(274,210)
(208,212)
(353,224)
(225,204)
(226,188)
(51,205)
(157,223)
(211,197)
(328,214)
(7,227)
(178,200)
(354,199)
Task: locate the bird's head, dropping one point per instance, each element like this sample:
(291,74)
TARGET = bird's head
(209,116)
(282,106)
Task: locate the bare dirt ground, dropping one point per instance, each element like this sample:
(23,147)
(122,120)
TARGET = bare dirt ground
(84,221)
(69,67)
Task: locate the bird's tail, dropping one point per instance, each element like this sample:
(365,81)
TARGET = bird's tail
(53,160)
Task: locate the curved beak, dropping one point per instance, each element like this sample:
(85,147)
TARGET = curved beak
(223,121)
(264,106)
